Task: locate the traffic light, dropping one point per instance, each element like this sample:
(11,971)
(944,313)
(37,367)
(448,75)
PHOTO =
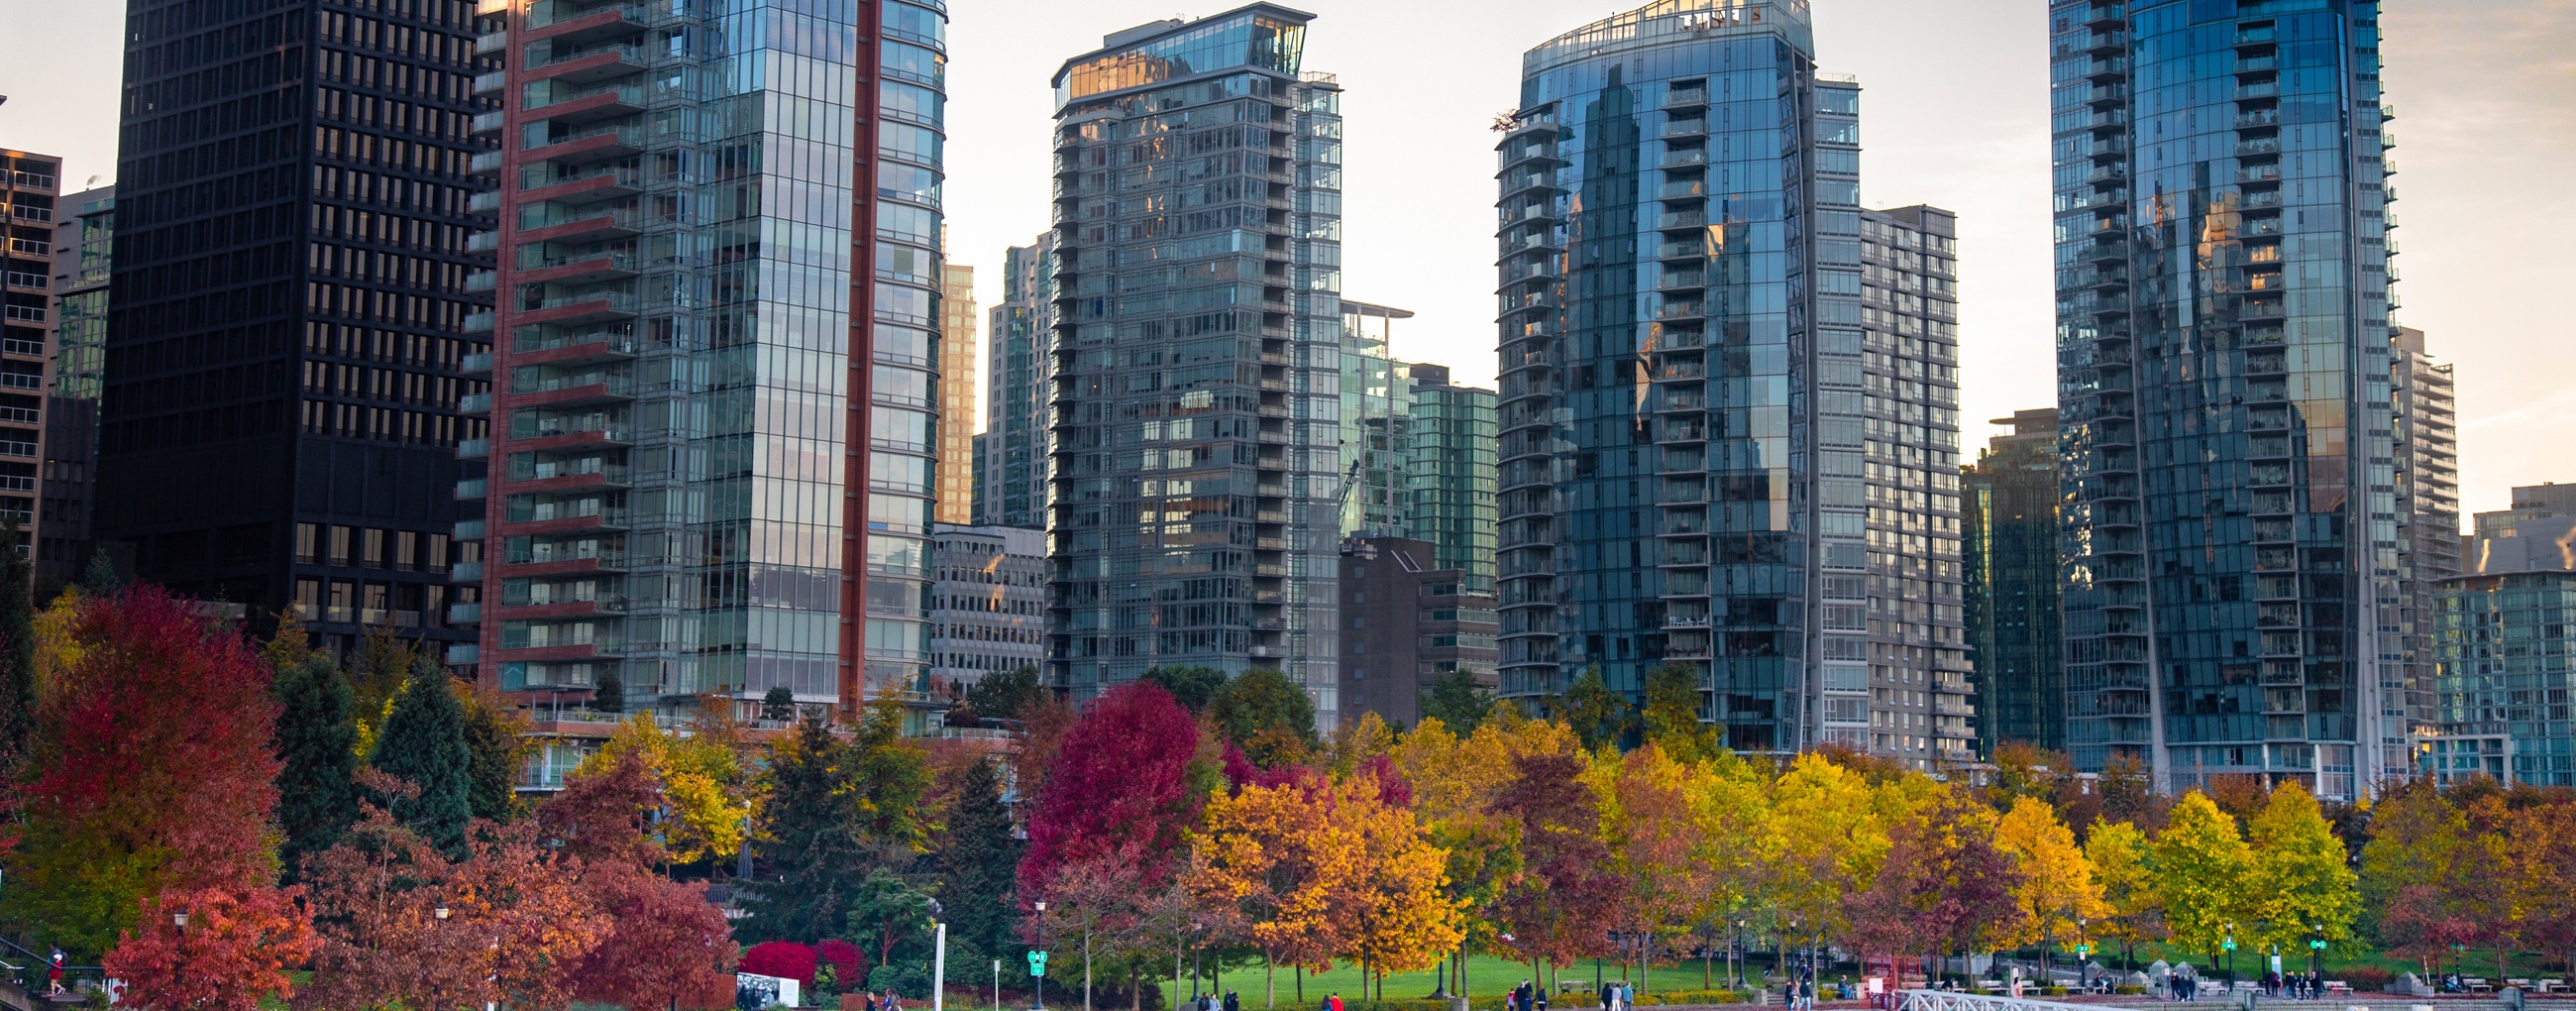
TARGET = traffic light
(1037,964)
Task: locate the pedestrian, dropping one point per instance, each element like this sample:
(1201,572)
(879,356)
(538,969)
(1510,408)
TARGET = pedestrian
(1232,1002)
(1335,1003)
(1538,994)
(891,1003)
(54,974)
(1627,995)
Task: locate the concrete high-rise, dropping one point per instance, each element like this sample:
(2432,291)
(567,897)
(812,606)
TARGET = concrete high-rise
(716,425)
(2428,496)
(1711,360)
(1198,330)
(84,263)
(2231,520)
(290,310)
(1410,623)
(1013,455)
(954,502)
(1451,476)
(2008,501)
(33,252)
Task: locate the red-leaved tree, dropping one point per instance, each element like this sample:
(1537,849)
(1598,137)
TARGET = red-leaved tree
(1557,908)
(1123,773)
(233,951)
(783,959)
(152,770)
(670,945)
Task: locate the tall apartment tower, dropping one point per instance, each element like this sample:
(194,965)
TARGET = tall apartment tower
(1013,453)
(1198,330)
(84,263)
(1451,477)
(2008,505)
(2428,495)
(32,255)
(955,501)
(290,313)
(2232,528)
(713,421)
(1377,424)
(1693,323)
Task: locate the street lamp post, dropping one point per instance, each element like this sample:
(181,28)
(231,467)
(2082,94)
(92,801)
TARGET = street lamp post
(2317,953)
(1037,959)
(2229,945)
(2083,957)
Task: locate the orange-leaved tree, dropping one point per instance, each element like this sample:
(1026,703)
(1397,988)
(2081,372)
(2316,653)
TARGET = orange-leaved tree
(230,954)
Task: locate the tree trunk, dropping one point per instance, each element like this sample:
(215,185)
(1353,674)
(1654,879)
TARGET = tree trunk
(1301,988)
(1135,991)
(1269,980)
(1086,971)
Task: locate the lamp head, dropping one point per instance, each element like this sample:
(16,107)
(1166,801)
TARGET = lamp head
(179,919)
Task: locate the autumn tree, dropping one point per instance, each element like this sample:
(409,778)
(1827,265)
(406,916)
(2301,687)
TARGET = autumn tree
(1598,716)
(1268,716)
(232,954)
(1671,716)
(1943,886)
(423,744)
(1658,842)
(1010,695)
(375,898)
(669,945)
(704,786)
(2058,886)
(1554,910)
(152,770)
(2309,889)
(1093,900)
(1124,772)
(316,740)
(2408,870)
(2201,865)
(1829,835)
(2120,858)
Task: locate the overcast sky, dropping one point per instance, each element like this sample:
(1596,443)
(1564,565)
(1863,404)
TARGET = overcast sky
(1954,113)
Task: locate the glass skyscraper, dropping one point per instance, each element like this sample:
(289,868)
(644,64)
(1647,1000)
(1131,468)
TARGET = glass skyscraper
(719,238)
(1198,340)
(2231,525)
(1377,424)
(2009,504)
(1704,385)
(1012,454)
(1451,477)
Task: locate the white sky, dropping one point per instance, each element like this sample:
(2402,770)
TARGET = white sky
(1954,113)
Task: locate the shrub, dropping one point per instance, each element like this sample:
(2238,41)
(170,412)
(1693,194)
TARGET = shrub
(783,959)
(2367,977)
(843,955)
(1693,997)
(2129,989)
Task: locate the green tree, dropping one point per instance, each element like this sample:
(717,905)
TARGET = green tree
(1191,685)
(1268,716)
(779,704)
(2201,870)
(1007,695)
(2120,859)
(423,743)
(609,694)
(1598,715)
(811,854)
(978,862)
(99,578)
(496,739)
(2308,883)
(1672,713)
(17,654)
(1457,701)
(316,741)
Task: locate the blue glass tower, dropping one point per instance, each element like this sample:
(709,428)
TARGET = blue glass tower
(2231,527)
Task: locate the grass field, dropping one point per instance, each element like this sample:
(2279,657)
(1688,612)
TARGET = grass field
(1487,978)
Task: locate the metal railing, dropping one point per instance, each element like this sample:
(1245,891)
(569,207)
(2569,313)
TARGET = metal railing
(1942,1000)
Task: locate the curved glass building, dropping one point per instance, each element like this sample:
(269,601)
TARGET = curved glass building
(1724,400)
(2231,526)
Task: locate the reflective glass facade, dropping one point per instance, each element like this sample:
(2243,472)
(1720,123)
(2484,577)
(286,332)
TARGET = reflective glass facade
(2009,543)
(1377,424)
(956,499)
(85,257)
(1198,341)
(2428,494)
(1013,457)
(720,228)
(1451,476)
(2502,679)
(1680,251)
(2231,525)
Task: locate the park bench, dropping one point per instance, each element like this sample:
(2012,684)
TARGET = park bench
(2477,984)
(2552,985)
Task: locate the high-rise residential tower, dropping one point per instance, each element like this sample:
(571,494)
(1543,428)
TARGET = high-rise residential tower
(1451,477)
(1198,335)
(2428,495)
(955,501)
(1013,453)
(290,311)
(2008,505)
(2231,520)
(1377,423)
(2501,650)
(714,413)
(33,251)
(1707,372)
(84,262)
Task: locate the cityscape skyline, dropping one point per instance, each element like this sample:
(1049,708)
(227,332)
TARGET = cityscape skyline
(1965,137)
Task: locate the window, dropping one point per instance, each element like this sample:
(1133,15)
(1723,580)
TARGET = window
(308,544)
(340,545)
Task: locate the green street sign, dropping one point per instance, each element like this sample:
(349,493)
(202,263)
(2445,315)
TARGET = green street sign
(2319,945)
(2229,944)
(1037,963)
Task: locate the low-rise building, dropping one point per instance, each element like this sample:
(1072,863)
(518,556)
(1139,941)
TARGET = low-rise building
(1406,624)
(988,603)
(2502,677)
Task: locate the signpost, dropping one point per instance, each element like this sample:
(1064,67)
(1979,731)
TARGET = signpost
(1037,975)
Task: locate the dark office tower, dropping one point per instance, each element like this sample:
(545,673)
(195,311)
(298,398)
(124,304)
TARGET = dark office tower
(2008,506)
(1197,342)
(1689,429)
(84,261)
(1013,455)
(32,252)
(1452,474)
(714,417)
(289,310)
(2428,495)
(2231,524)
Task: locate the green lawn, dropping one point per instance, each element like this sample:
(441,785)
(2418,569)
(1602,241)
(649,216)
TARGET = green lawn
(1487,978)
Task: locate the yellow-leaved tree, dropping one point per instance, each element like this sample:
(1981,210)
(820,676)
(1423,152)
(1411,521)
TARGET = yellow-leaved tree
(1829,835)
(703,784)
(1455,781)
(2119,855)
(1266,851)
(2201,867)
(1658,844)
(1387,889)
(2309,889)
(2058,884)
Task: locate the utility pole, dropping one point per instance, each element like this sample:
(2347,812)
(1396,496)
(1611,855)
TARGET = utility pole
(939,968)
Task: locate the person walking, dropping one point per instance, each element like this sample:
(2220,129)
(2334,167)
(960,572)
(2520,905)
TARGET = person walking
(1232,1002)
(54,974)
(1336,1003)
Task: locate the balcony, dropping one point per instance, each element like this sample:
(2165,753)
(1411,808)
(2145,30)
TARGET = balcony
(574,390)
(583,308)
(534,347)
(591,106)
(589,187)
(579,224)
(607,143)
(585,268)
(567,22)
(588,65)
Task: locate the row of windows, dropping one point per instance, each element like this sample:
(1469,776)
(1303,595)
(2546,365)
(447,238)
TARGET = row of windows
(386,424)
(370,547)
